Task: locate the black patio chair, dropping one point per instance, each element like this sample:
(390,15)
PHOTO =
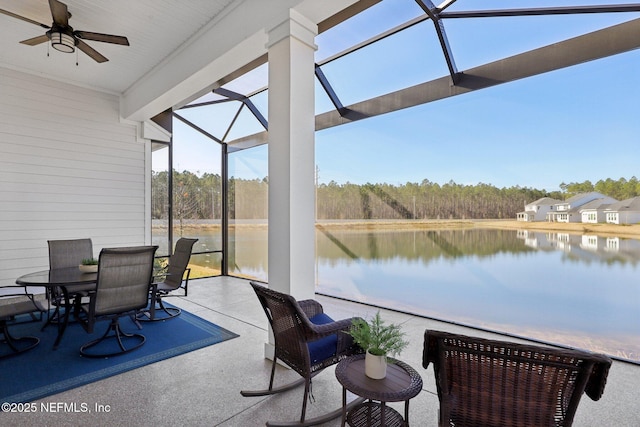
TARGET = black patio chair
(306,340)
(489,383)
(13,304)
(124,280)
(177,277)
(67,254)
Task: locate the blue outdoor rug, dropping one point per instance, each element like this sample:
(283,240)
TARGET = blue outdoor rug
(43,371)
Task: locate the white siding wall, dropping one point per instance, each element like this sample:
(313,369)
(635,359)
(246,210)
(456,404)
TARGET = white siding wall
(69,168)
(628,217)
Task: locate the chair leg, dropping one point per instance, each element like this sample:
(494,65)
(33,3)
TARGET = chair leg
(118,335)
(273,372)
(307,386)
(169,312)
(303,422)
(14,343)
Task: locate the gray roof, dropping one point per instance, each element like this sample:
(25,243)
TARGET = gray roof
(583,195)
(594,204)
(545,201)
(632,204)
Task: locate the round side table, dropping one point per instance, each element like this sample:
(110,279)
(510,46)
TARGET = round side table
(402,383)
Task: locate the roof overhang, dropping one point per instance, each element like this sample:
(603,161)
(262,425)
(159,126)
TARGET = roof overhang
(233,43)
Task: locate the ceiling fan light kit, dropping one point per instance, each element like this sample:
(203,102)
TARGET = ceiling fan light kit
(62,42)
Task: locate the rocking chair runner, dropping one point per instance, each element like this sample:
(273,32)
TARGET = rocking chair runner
(490,383)
(306,340)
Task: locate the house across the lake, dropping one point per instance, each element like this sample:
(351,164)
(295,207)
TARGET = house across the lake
(593,212)
(538,210)
(592,207)
(624,212)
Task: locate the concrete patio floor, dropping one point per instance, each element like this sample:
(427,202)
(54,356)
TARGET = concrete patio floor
(202,388)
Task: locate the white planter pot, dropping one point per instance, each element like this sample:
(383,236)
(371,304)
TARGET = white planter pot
(375,367)
(88,268)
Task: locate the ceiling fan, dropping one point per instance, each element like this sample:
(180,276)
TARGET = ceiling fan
(63,37)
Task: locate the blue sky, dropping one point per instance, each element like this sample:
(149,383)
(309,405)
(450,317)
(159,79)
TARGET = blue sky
(571,125)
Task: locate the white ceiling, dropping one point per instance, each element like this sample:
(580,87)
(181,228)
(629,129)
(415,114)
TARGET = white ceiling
(155,29)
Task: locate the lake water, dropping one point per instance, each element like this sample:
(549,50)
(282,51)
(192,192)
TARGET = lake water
(580,291)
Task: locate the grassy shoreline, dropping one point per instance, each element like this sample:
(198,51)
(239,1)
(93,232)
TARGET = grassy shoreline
(605,230)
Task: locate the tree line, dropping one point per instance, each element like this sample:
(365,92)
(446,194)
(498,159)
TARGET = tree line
(620,189)
(200,197)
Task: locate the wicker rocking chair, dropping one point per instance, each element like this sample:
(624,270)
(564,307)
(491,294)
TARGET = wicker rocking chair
(306,340)
(490,383)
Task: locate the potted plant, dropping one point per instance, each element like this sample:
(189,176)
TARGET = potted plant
(379,340)
(89,265)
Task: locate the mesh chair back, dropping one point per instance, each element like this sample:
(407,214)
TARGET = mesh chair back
(124,278)
(69,253)
(495,383)
(179,261)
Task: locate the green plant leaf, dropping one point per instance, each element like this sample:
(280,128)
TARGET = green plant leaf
(377,337)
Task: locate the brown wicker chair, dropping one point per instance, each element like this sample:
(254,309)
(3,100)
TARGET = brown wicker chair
(124,279)
(306,340)
(176,279)
(490,383)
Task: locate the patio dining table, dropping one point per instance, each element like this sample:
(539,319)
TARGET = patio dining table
(59,278)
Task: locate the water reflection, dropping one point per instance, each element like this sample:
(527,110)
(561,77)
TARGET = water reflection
(585,247)
(576,290)
(573,290)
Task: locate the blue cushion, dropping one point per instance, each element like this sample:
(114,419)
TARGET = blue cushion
(323,348)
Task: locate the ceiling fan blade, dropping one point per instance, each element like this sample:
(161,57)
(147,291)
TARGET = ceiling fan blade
(31,21)
(59,13)
(105,38)
(94,54)
(36,40)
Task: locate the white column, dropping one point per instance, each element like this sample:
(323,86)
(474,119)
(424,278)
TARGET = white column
(291,50)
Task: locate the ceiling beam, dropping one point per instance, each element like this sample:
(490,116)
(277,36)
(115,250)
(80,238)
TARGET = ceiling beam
(598,44)
(542,11)
(345,14)
(430,9)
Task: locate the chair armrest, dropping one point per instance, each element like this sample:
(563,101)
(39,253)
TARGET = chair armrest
(310,307)
(320,331)
(430,349)
(598,378)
